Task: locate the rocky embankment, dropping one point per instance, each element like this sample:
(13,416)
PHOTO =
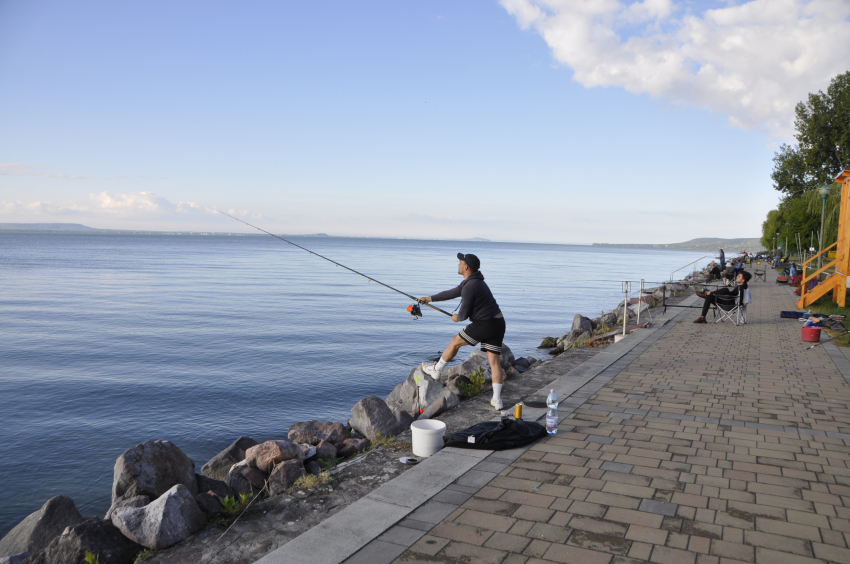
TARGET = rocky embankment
(255,496)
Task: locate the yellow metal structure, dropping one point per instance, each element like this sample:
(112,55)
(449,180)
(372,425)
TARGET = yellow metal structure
(837,281)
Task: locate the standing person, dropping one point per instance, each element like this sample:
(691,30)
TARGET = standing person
(722,259)
(487,327)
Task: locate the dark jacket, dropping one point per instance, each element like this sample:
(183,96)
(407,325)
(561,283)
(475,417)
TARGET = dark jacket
(477,302)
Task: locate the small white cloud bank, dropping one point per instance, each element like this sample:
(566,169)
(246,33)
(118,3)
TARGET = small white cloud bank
(752,61)
(20,169)
(131,205)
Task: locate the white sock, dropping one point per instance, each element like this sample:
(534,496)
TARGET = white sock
(440,365)
(497,392)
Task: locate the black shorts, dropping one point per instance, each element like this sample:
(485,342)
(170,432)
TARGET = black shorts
(489,333)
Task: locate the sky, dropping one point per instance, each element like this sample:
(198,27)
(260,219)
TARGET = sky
(563,121)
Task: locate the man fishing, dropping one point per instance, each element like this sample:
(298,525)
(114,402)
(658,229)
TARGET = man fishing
(487,327)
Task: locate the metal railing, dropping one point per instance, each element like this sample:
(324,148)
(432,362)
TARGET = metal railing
(689,264)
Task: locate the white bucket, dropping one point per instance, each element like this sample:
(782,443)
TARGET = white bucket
(619,337)
(427,436)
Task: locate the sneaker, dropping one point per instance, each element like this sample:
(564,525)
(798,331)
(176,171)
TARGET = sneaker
(430,368)
(700,294)
(497,404)
(700,320)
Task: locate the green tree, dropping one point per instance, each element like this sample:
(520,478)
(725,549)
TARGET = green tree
(793,216)
(823,141)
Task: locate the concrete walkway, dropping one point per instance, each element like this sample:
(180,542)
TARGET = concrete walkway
(715,444)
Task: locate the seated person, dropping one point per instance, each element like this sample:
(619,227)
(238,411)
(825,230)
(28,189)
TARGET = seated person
(714,272)
(742,279)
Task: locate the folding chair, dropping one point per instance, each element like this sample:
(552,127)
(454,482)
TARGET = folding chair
(760,273)
(732,308)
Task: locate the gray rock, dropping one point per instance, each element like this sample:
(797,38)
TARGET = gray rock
(522,362)
(429,390)
(285,475)
(93,535)
(265,456)
(476,360)
(519,369)
(256,477)
(151,469)
(405,396)
(313,468)
(434,408)
(209,503)
(403,418)
(38,529)
(15,558)
(352,446)
(452,400)
(512,372)
(218,487)
(239,484)
(314,432)
(308,451)
(610,319)
(458,385)
(138,501)
(326,450)
(219,465)
(371,417)
(166,521)
(581,324)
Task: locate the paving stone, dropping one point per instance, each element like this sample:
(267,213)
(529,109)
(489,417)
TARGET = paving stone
(660,507)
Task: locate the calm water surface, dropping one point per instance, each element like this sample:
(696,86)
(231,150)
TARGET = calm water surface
(107,341)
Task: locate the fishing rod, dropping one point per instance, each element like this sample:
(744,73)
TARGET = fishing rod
(414,309)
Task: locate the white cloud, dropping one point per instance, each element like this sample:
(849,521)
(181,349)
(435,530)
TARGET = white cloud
(752,61)
(130,205)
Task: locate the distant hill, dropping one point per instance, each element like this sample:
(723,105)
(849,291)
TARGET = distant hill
(45,227)
(702,244)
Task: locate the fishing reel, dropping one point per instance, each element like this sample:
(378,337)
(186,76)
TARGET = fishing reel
(415,311)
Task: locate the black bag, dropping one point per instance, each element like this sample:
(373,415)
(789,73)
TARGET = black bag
(497,435)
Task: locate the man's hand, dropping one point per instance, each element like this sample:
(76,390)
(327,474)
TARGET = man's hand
(425,300)
(454,318)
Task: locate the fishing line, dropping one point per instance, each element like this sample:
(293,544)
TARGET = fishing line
(414,309)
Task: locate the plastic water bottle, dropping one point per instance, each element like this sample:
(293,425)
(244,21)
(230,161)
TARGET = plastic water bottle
(552,413)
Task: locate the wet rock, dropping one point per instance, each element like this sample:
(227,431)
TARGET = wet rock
(266,455)
(403,418)
(218,487)
(239,484)
(285,475)
(219,465)
(548,343)
(313,468)
(371,417)
(166,521)
(151,469)
(209,503)
(352,446)
(257,478)
(138,501)
(93,535)
(326,450)
(38,529)
(314,432)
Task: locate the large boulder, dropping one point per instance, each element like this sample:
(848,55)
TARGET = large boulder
(452,399)
(166,521)
(581,324)
(209,503)
(405,396)
(609,319)
(434,408)
(352,446)
(219,465)
(326,450)
(138,501)
(403,418)
(218,487)
(372,417)
(314,432)
(285,475)
(267,455)
(151,469)
(458,385)
(256,477)
(429,391)
(239,483)
(94,535)
(468,366)
(38,529)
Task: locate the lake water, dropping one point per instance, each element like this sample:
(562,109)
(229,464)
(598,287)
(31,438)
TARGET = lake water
(107,341)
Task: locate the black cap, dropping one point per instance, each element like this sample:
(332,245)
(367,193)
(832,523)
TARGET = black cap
(471,261)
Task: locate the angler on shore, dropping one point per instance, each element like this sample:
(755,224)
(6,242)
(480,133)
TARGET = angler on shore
(487,327)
